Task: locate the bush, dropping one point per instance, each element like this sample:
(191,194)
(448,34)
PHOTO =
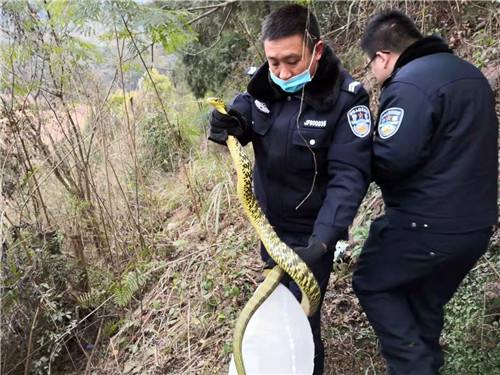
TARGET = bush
(472,322)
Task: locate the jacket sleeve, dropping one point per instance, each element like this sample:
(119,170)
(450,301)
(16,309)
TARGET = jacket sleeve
(243,104)
(402,139)
(349,165)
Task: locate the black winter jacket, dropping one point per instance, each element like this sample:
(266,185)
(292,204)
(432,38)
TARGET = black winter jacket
(435,148)
(335,123)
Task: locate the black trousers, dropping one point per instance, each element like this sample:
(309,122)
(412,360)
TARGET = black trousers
(321,271)
(403,279)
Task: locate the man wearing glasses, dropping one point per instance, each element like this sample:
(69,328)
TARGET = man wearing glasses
(435,160)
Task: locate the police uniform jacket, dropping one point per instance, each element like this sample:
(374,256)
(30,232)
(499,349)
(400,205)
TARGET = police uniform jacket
(435,147)
(333,121)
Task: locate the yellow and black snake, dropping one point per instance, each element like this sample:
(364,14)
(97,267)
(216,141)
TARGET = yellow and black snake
(286,259)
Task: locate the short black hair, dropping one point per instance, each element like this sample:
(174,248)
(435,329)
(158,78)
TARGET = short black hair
(389,30)
(291,20)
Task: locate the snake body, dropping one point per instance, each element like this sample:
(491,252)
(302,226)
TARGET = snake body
(286,259)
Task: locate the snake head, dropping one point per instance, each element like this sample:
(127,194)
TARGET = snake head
(218,104)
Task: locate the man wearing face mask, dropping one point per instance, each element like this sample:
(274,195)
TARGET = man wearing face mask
(310,127)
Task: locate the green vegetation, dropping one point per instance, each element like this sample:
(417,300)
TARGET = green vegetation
(124,247)
(472,324)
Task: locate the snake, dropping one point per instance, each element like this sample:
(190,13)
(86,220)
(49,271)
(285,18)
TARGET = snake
(287,261)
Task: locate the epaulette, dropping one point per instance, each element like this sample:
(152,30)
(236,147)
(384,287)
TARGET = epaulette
(250,71)
(351,86)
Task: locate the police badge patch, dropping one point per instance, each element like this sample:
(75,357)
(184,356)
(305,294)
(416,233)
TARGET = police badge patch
(389,122)
(360,120)
(261,106)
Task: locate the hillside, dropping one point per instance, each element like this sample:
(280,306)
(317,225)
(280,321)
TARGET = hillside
(124,247)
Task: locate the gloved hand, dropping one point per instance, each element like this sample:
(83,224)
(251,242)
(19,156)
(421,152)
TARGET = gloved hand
(222,125)
(312,253)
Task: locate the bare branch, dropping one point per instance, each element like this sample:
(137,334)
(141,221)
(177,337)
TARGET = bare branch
(215,8)
(216,41)
(202,16)
(201,7)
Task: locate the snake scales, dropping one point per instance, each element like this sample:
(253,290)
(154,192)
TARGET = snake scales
(286,259)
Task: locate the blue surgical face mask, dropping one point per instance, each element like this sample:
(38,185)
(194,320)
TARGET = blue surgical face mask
(296,82)
(293,84)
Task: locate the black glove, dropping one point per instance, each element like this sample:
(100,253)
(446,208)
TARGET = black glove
(222,125)
(218,135)
(312,253)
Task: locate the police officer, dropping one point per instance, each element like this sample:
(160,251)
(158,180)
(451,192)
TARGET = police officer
(435,160)
(310,127)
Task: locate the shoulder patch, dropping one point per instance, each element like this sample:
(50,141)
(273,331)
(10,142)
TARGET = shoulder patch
(360,120)
(261,106)
(390,121)
(251,71)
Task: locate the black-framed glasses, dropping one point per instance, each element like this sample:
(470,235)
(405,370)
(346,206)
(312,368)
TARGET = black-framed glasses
(367,66)
(373,58)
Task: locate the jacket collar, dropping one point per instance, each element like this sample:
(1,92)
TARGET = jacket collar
(422,47)
(321,93)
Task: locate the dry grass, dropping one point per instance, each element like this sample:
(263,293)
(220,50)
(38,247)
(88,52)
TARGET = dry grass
(181,323)
(185,320)
(190,330)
